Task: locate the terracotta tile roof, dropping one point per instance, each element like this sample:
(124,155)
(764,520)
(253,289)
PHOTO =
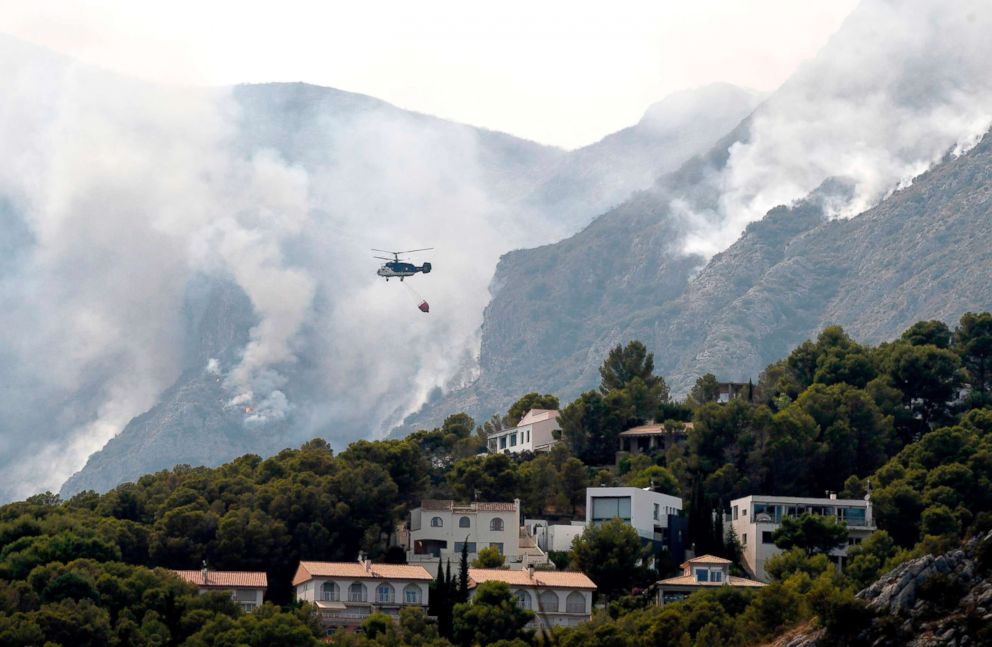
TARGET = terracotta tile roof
(689,580)
(226,579)
(541,579)
(651,430)
(706,559)
(354,570)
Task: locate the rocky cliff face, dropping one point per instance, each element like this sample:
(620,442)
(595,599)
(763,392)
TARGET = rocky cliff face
(922,253)
(929,601)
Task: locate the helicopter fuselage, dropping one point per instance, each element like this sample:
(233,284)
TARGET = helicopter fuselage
(400,269)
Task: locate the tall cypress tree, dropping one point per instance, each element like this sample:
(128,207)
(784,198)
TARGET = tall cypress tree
(463,573)
(446,602)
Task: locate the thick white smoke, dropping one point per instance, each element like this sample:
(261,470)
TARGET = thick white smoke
(899,86)
(125,191)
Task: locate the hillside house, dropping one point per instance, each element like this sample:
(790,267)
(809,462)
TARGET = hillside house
(649,439)
(558,598)
(655,516)
(436,531)
(247,588)
(534,433)
(346,593)
(699,573)
(754,519)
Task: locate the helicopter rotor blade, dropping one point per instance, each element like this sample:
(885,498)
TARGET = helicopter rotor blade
(410,251)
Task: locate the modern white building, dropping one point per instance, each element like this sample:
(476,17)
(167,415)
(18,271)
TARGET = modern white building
(437,530)
(534,433)
(557,598)
(346,593)
(754,519)
(648,512)
(698,573)
(247,588)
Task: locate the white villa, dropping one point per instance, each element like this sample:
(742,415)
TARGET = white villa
(247,588)
(534,433)
(558,598)
(346,593)
(755,518)
(700,573)
(437,530)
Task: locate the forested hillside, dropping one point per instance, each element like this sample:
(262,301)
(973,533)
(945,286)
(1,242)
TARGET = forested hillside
(912,416)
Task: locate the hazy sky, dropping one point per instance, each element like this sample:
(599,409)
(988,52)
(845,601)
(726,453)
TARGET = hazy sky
(557,71)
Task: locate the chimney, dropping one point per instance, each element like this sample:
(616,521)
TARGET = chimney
(530,570)
(203,571)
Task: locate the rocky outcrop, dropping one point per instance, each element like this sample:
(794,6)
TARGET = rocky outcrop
(926,602)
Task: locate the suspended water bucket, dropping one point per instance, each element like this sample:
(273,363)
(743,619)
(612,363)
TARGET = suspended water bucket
(424,307)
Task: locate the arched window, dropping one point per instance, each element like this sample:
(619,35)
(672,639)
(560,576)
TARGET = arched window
(464,522)
(384,593)
(411,594)
(523,598)
(437,522)
(496,525)
(356,592)
(329,592)
(575,603)
(549,602)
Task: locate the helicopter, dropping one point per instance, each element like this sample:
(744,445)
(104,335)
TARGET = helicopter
(394,267)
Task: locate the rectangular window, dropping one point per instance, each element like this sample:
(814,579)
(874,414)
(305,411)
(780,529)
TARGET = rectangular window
(502,442)
(766,537)
(513,440)
(702,575)
(498,545)
(657,512)
(459,544)
(605,508)
(853,516)
(716,576)
(735,513)
(528,435)
(412,596)
(853,541)
(744,539)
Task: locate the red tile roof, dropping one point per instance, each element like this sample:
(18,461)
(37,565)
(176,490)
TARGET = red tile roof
(706,559)
(541,579)
(353,570)
(226,579)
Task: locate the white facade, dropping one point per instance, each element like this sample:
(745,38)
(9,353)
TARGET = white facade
(755,518)
(557,598)
(346,593)
(437,530)
(534,433)
(645,510)
(557,537)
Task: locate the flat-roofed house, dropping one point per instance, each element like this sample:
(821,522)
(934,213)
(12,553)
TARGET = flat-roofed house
(558,598)
(534,433)
(247,588)
(698,573)
(755,519)
(346,593)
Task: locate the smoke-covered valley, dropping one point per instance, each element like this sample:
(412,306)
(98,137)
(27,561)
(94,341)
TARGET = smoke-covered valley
(196,261)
